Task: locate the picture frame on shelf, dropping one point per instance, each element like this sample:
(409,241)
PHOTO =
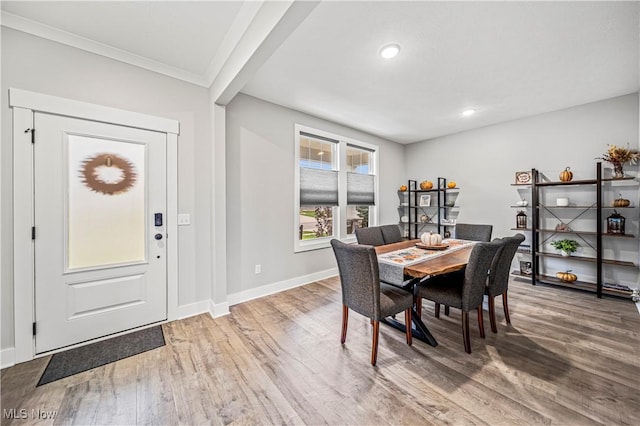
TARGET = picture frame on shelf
(425,200)
(525,267)
(523,178)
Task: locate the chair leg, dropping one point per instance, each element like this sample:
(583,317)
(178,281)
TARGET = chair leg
(480,321)
(505,305)
(492,314)
(407,326)
(374,345)
(437,310)
(446,310)
(345,320)
(465,332)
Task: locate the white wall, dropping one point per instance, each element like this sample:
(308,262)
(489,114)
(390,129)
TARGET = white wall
(260,191)
(38,65)
(483,162)
(260,164)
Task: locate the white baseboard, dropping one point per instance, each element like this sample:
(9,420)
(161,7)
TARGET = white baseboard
(265,290)
(193,309)
(7,357)
(219,309)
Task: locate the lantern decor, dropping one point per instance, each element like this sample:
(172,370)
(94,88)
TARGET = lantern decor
(521,220)
(615,223)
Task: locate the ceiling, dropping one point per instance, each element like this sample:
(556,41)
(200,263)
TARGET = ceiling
(506,60)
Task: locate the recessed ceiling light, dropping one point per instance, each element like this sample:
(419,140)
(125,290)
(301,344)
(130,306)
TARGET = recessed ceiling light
(390,51)
(468,112)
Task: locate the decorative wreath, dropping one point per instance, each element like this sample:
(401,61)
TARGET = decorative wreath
(90,175)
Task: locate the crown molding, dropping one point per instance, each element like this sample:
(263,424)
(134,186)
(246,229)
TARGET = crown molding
(28,26)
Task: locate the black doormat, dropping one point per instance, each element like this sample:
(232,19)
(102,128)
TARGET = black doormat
(74,361)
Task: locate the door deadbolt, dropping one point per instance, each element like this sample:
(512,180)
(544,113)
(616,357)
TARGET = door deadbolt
(158,236)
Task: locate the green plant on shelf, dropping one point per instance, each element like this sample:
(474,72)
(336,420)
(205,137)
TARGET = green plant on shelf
(566,246)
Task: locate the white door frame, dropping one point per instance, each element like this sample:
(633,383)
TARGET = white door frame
(24,104)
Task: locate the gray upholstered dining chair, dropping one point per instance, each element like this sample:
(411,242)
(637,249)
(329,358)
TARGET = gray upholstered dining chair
(471,232)
(498,282)
(391,234)
(363,292)
(463,291)
(474,232)
(371,236)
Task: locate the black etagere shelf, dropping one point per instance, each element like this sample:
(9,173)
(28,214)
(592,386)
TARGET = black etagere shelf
(437,212)
(537,232)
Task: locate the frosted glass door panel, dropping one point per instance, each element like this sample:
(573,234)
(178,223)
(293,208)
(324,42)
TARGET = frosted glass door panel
(106,203)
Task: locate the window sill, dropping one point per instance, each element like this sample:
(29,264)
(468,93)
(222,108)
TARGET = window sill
(321,243)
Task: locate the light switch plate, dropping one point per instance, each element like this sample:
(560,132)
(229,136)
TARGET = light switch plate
(184,219)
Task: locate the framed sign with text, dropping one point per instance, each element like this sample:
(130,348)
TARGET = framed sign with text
(523,178)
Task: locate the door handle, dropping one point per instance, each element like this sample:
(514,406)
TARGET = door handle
(158,236)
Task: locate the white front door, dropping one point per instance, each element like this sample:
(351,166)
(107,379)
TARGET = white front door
(100,228)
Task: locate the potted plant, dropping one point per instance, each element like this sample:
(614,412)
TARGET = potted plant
(565,246)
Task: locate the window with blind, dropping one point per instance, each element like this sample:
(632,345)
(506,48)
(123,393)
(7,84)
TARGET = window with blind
(336,188)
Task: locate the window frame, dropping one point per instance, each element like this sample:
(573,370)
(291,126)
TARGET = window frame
(340,211)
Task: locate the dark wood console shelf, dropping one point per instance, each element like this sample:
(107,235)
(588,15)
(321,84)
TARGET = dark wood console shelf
(573,182)
(553,231)
(581,285)
(586,259)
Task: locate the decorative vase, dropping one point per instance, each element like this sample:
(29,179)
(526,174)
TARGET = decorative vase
(565,253)
(618,173)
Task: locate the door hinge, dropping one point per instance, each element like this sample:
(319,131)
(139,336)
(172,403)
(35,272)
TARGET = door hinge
(34,328)
(33,232)
(33,134)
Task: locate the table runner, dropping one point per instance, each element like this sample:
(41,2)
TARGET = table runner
(391,264)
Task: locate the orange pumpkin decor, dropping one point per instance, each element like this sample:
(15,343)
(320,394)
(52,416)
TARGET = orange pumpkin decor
(403,188)
(621,202)
(566,277)
(451,184)
(426,185)
(566,175)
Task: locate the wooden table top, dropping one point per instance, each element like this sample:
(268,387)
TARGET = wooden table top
(448,262)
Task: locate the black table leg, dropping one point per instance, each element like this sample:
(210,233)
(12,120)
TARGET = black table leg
(419,329)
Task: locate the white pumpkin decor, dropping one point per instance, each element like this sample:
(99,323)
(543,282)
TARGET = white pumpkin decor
(431,239)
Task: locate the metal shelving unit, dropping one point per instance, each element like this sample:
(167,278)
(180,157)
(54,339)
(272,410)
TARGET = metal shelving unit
(437,209)
(539,234)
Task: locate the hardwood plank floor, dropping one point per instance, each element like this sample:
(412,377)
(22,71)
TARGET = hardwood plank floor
(567,359)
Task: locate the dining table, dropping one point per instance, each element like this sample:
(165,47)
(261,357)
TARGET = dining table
(408,263)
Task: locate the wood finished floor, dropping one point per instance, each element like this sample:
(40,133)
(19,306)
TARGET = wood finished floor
(567,359)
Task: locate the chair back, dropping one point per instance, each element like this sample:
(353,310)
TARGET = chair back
(359,277)
(391,234)
(474,232)
(371,236)
(501,266)
(475,276)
